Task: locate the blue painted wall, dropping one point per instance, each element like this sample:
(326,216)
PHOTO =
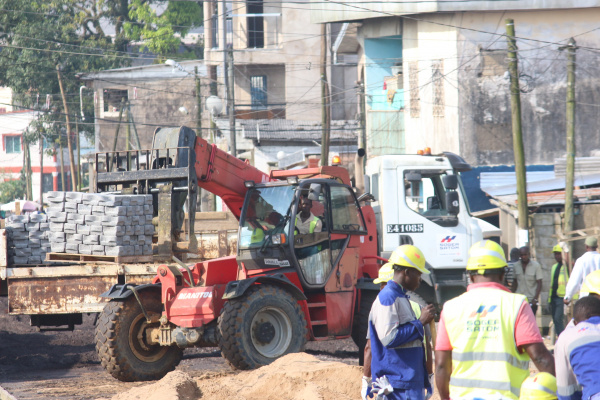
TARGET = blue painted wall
(381,55)
(478,200)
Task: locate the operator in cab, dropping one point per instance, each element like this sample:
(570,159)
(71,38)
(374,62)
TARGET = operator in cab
(306,221)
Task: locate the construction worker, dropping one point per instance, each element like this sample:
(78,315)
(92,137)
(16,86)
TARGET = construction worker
(541,386)
(577,353)
(559,276)
(306,221)
(528,278)
(396,333)
(591,284)
(586,264)
(487,336)
(386,273)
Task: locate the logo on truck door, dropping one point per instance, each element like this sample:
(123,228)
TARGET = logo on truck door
(448,245)
(405,228)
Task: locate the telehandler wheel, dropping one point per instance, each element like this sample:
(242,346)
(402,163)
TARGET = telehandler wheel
(123,347)
(263,325)
(360,327)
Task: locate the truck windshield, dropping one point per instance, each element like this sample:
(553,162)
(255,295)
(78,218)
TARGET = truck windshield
(266,211)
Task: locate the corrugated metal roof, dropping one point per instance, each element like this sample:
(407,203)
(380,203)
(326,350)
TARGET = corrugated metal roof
(284,129)
(535,182)
(554,197)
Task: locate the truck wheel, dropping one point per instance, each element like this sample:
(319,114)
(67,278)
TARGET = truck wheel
(360,327)
(263,325)
(122,345)
(416,298)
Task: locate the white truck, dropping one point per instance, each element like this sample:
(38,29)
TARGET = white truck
(419,200)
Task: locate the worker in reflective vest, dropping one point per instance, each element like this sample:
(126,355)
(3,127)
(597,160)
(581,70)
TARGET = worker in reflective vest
(559,277)
(487,335)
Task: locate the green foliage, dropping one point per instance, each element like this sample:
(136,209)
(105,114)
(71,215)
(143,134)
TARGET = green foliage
(12,190)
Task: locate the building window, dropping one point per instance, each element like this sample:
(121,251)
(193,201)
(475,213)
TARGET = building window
(413,83)
(12,144)
(215,29)
(47,183)
(258,91)
(437,78)
(256,24)
(112,99)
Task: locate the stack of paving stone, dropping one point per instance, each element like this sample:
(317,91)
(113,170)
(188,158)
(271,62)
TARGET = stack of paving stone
(100,224)
(27,238)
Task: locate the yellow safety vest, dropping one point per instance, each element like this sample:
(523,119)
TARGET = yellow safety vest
(258,235)
(563,278)
(311,226)
(417,310)
(485,360)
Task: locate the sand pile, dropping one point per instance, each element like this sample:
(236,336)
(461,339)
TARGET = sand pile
(293,377)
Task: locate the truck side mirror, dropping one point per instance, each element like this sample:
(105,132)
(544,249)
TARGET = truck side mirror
(314,191)
(452,203)
(450,182)
(413,177)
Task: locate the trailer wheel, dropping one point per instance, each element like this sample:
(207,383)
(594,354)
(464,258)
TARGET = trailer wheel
(122,346)
(360,327)
(263,325)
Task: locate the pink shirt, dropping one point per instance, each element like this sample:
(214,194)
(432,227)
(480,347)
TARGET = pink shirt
(526,329)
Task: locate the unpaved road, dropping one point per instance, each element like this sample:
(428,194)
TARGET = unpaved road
(64,365)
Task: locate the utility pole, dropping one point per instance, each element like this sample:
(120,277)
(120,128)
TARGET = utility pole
(570,116)
(198,103)
(79,184)
(231,104)
(69,145)
(359,171)
(515,102)
(325,100)
(41,171)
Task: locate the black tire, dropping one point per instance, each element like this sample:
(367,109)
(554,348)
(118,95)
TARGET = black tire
(416,298)
(261,326)
(360,327)
(121,345)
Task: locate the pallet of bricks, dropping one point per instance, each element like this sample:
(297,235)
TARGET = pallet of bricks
(27,239)
(93,224)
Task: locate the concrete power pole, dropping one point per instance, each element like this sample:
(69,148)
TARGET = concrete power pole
(69,144)
(515,102)
(325,99)
(570,116)
(231,104)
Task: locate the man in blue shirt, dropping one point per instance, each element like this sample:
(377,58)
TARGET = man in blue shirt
(577,353)
(395,332)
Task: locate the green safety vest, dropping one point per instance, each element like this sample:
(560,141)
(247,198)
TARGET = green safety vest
(563,278)
(485,360)
(311,226)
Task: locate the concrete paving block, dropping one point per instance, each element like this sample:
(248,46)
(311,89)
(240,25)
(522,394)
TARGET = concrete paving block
(98,248)
(56,208)
(109,220)
(21,244)
(38,218)
(148,209)
(98,210)
(147,250)
(35,250)
(16,226)
(72,248)
(76,218)
(35,259)
(85,249)
(19,218)
(129,230)
(32,226)
(119,250)
(84,209)
(139,229)
(70,228)
(74,237)
(76,197)
(149,219)
(20,260)
(95,229)
(138,250)
(92,219)
(115,211)
(126,239)
(91,239)
(83,229)
(108,240)
(57,227)
(57,247)
(54,196)
(113,230)
(131,211)
(44,226)
(138,240)
(71,206)
(57,216)
(125,201)
(24,252)
(148,199)
(135,220)
(136,200)
(57,237)
(37,234)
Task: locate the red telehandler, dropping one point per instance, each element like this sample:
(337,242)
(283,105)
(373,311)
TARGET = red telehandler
(283,287)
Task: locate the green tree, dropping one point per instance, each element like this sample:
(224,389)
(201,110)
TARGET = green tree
(12,190)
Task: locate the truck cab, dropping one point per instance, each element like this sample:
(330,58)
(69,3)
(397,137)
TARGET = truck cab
(419,200)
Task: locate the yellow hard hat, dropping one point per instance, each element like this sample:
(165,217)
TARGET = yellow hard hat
(386,273)
(409,256)
(486,254)
(591,283)
(557,249)
(541,386)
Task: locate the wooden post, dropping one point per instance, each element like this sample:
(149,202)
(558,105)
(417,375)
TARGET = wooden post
(198,103)
(69,145)
(515,97)
(325,100)
(41,171)
(570,117)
